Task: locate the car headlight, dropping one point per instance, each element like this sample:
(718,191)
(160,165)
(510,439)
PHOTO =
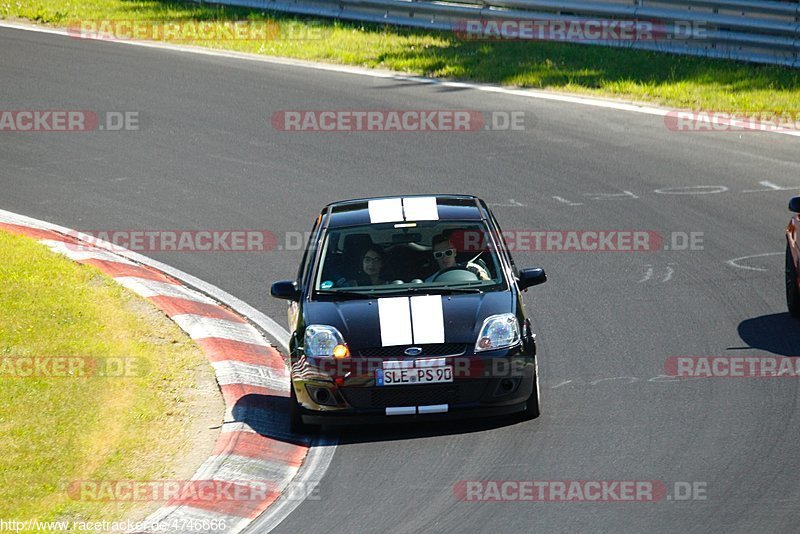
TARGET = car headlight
(498,332)
(322,341)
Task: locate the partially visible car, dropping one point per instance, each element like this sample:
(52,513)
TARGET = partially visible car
(793,259)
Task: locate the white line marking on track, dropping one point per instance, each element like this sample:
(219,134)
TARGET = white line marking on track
(772,187)
(735,261)
(390,75)
(648,274)
(668,276)
(568,202)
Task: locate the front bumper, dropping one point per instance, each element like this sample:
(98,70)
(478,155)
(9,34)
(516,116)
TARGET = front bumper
(484,385)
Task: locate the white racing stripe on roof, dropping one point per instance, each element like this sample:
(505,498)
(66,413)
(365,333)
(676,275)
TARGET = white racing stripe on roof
(199,327)
(428,319)
(395,321)
(78,252)
(385,210)
(420,209)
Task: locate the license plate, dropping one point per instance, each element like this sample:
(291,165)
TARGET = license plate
(413,376)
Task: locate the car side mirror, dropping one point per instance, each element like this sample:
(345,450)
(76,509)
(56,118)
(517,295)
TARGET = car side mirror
(531,277)
(794,204)
(285,289)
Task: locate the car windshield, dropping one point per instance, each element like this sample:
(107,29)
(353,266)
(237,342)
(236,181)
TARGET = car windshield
(425,256)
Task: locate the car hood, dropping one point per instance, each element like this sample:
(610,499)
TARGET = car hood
(363,326)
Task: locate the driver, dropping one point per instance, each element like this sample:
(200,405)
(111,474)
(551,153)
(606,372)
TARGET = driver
(444,252)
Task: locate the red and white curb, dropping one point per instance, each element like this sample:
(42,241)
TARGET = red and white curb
(255,445)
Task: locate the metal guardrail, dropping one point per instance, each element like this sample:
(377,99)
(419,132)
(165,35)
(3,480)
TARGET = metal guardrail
(744,30)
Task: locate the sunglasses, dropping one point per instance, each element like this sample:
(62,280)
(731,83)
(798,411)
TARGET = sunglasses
(444,253)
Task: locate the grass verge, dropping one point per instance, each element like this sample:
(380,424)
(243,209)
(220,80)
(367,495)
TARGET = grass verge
(677,81)
(134,423)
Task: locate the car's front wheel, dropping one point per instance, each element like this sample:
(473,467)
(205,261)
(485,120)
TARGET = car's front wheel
(532,404)
(296,424)
(792,292)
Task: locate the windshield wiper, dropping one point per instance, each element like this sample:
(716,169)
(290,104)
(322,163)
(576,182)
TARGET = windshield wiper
(346,294)
(433,290)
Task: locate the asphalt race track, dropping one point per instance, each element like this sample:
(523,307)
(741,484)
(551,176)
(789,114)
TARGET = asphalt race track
(207,157)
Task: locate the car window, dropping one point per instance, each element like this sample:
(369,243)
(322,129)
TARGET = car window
(392,257)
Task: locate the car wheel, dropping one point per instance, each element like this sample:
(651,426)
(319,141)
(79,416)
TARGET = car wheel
(532,404)
(296,424)
(792,292)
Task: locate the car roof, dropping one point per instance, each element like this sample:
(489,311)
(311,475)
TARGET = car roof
(402,208)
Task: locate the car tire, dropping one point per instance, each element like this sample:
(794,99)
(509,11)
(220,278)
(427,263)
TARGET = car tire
(532,410)
(296,424)
(792,291)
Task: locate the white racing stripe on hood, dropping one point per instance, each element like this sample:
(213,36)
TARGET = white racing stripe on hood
(411,320)
(385,210)
(420,209)
(428,319)
(395,319)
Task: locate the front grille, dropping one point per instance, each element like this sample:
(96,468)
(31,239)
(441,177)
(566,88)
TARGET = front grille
(432,349)
(389,396)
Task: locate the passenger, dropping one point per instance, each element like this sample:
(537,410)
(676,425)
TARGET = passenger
(372,266)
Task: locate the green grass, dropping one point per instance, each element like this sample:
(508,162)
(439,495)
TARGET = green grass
(57,430)
(677,81)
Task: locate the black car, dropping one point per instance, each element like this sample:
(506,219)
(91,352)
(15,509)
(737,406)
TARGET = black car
(409,308)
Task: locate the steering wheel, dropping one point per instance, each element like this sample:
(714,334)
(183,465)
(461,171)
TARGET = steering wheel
(451,269)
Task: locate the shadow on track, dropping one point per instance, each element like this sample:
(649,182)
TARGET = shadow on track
(268,415)
(778,333)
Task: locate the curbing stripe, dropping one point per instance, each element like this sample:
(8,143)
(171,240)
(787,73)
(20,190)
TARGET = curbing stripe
(200,327)
(242,469)
(151,288)
(254,444)
(117,269)
(174,516)
(81,253)
(218,350)
(34,233)
(233,372)
(176,306)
